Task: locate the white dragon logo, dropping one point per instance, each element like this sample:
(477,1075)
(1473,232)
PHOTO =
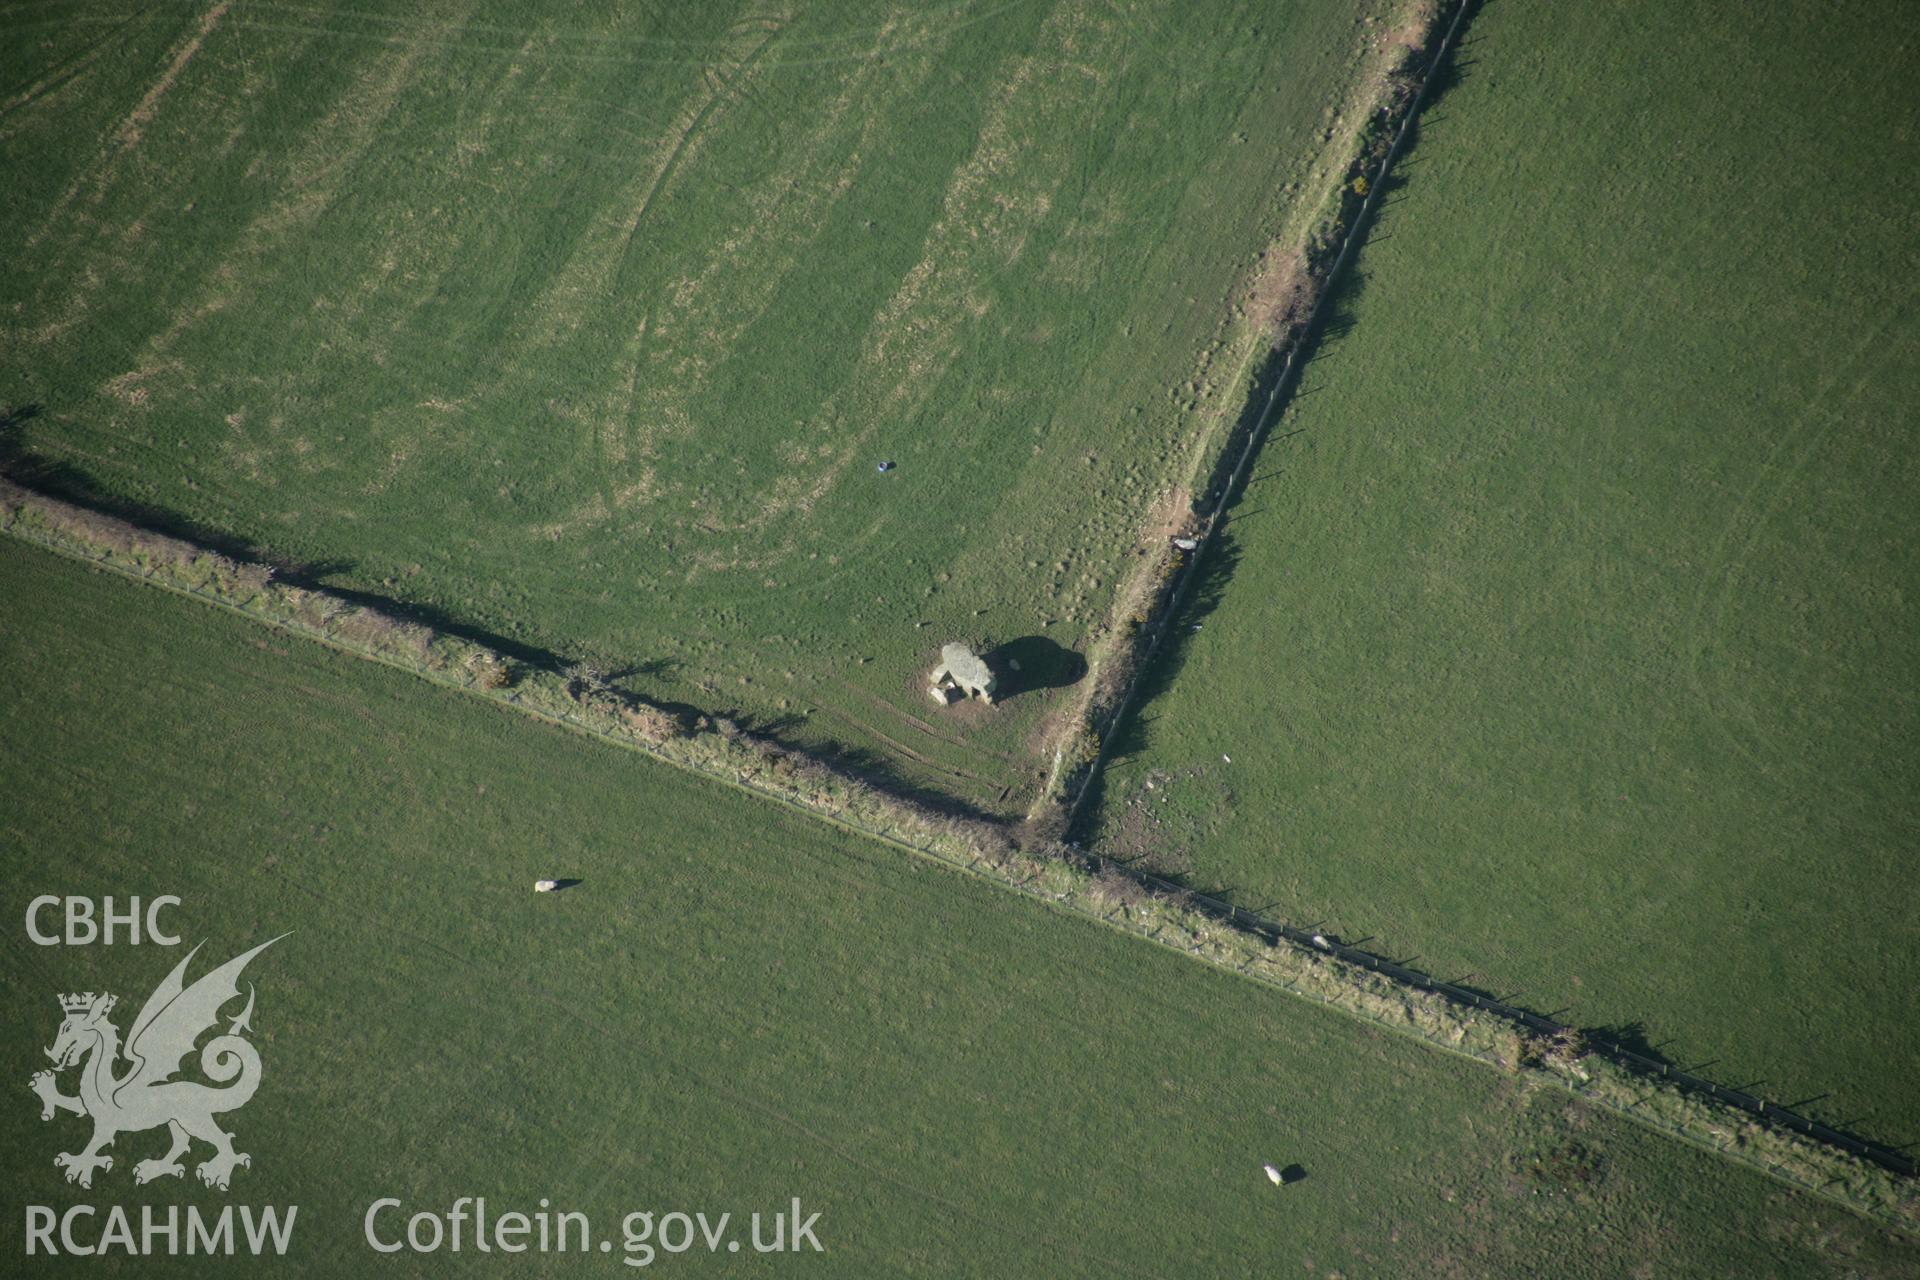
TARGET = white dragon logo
(146,1096)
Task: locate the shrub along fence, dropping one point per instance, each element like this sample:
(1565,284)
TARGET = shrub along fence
(1873,1179)
(1561,1047)
(1147,603)
(1865,1178)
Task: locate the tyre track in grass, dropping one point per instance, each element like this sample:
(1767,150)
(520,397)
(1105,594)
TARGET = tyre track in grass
(1746,1103)
(126,137)
(1784,470)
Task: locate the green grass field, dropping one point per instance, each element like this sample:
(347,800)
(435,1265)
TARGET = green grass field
(736,1006)
(590,331)
(1567,634)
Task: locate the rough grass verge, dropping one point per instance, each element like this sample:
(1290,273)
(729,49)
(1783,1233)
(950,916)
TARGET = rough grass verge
(1282,300)
(1090,887)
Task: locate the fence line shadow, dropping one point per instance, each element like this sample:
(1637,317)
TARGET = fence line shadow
(68,483)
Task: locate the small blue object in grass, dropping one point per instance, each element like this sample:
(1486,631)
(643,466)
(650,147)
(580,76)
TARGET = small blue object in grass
(884,467)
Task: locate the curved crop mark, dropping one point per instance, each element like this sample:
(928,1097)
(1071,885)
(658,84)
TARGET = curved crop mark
(127,136)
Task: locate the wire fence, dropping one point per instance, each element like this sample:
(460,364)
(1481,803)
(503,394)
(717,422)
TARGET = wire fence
(1257,433)
(980,867)
(1884,1156)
